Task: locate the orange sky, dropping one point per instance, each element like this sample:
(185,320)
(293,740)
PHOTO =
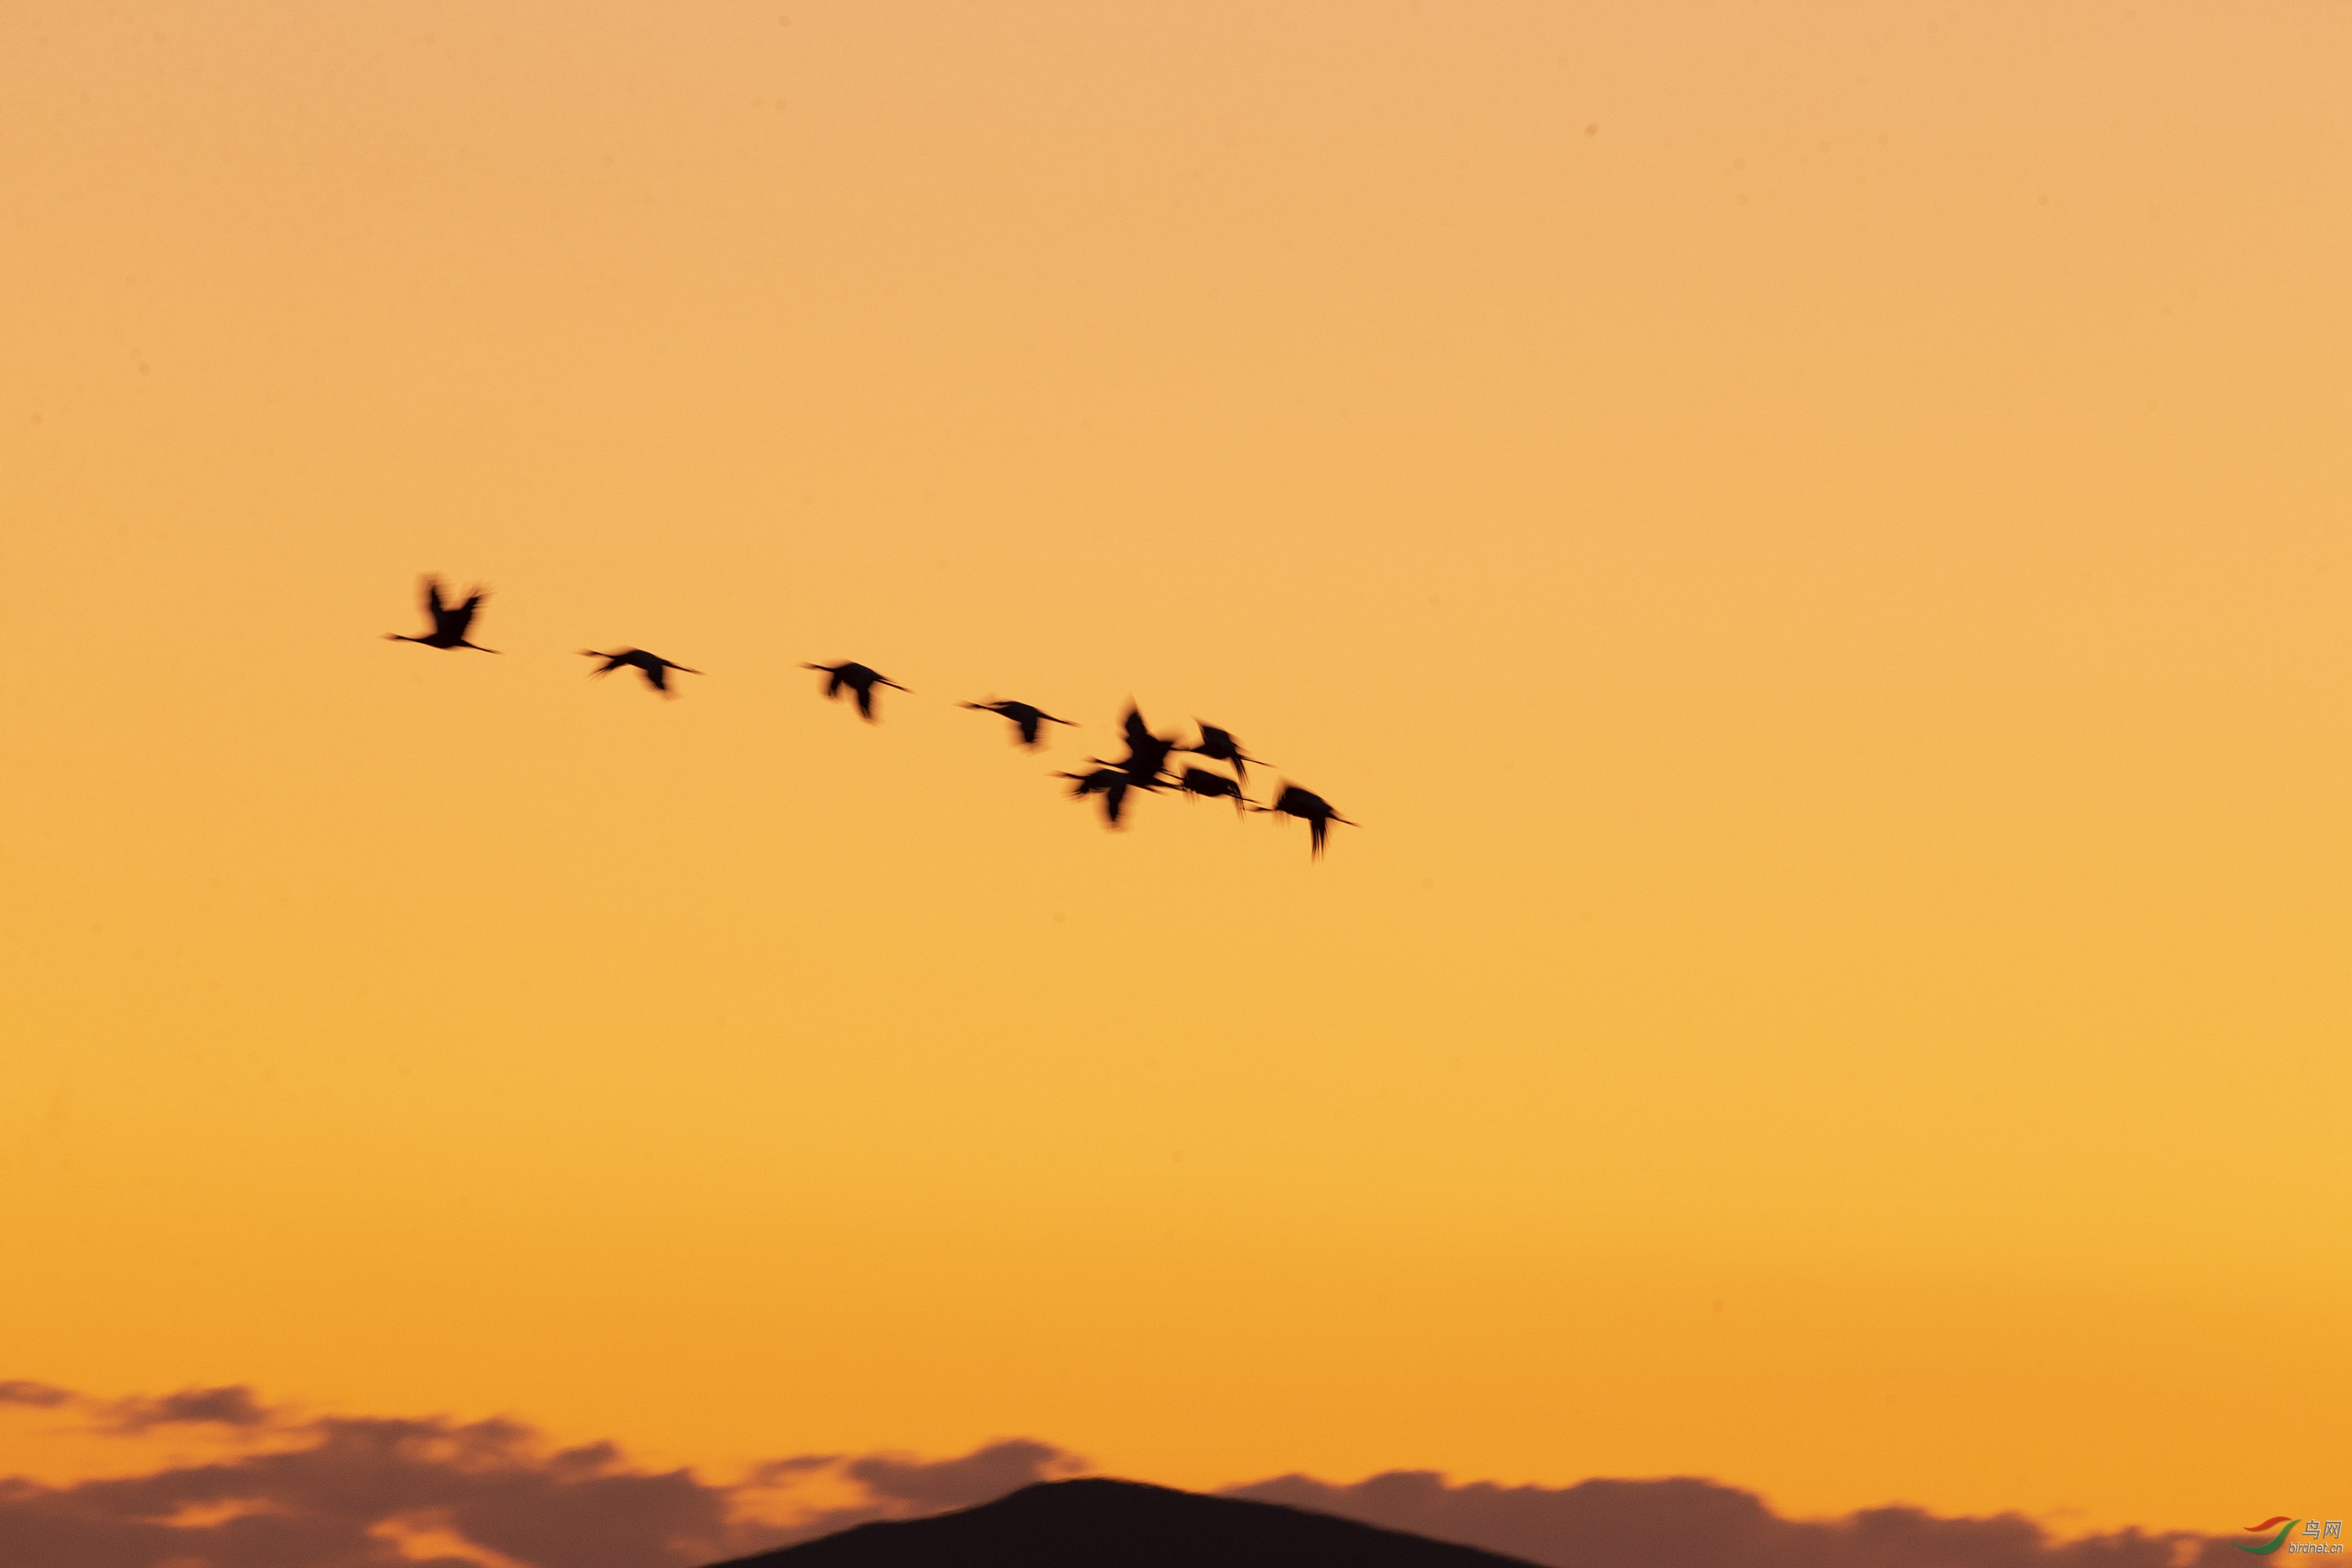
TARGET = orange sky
(1810,536)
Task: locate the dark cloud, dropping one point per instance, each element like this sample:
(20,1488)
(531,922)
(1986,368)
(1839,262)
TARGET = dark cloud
(981,1476)
(231,1406)
(1687,1523)
(339,1491)
(372,1492)
(899,1486)
(40,1396)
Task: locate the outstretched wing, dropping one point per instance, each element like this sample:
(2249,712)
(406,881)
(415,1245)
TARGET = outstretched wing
(455,621)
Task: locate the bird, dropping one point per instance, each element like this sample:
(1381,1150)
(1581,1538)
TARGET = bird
(449,621)
(1025,717)
(1147,753)
(859,679)
(1111,784)
(1310,809)
(655,668)
(1219,746)
(1212,786)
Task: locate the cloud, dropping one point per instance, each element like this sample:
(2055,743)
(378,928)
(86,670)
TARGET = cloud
(231,1406)
(341,1492)
(291,1489)
(980,1475)
(899,1486)
(1687,1522)
(39,1395)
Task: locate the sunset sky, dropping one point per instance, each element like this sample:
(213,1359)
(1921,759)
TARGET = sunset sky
(1812,538)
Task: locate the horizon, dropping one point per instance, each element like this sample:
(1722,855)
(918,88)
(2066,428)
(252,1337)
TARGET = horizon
(1804,546)
(224,1478)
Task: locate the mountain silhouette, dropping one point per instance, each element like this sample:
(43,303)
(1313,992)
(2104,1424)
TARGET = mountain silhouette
(1124,1524)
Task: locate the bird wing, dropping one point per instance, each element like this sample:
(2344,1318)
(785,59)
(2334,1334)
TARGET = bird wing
(432,597)
(1027,723)
(1138,733)
(462,616)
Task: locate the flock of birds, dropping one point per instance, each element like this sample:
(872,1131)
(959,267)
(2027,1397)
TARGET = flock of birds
(1146,767)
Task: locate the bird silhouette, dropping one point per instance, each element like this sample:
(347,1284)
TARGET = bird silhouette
(655,668)
(1147,753)
(859,678)
(449,621)
(1201,782)
(1111,784)
(1310,809)
(1025,718)
(1219,746)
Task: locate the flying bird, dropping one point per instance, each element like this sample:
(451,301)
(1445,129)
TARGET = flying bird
(1111,784)
(655,668)
(1201,782)
(1219,746)
(1147,753)
(449,621)
(1025,718)
(1309,807)
(859,679)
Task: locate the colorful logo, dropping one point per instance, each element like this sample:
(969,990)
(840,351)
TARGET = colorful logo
(2267,1547)
(2321,1537)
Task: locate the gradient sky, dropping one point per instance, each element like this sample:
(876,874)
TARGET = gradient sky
(1811,536)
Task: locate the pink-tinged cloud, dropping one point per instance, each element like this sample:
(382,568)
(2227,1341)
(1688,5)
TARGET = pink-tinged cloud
(1688,1522)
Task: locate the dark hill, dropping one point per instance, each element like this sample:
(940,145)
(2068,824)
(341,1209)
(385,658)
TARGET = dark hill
(1124,1524)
